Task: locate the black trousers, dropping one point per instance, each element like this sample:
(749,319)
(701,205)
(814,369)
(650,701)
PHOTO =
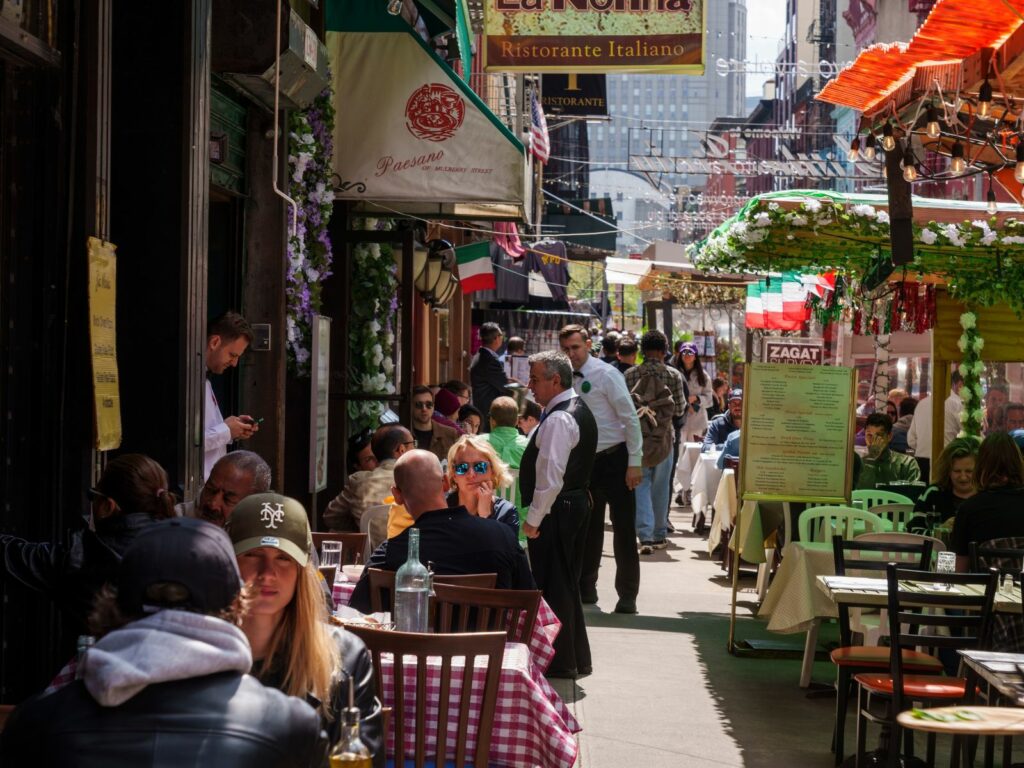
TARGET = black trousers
(608,489)
(556,557)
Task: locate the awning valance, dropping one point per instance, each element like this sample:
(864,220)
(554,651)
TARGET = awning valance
(410,135)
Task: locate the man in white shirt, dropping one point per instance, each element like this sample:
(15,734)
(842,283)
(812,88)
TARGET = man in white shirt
(617,470)
(952,409)
(919,435)
(226,340)
(553,477)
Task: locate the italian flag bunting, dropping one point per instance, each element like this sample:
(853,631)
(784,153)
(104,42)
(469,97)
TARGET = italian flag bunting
(476,273)
(779,303)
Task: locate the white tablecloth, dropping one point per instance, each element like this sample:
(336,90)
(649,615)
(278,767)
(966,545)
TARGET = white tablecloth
(704,481)
(794,599)
(726,507)
(688,455)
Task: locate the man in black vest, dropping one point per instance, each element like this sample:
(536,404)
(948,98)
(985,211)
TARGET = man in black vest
(553,478)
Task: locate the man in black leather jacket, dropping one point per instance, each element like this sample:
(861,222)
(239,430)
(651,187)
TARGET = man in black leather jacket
(168,686)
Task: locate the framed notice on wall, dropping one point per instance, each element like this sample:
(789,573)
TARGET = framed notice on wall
(798,430)
(103,342)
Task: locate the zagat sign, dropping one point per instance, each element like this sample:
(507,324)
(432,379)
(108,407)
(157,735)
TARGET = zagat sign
(802,352)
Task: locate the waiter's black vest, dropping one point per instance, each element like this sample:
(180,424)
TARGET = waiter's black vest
(581,458)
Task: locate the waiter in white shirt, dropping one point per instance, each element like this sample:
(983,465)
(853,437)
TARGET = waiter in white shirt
(227,338)
(616,470)
(553,477)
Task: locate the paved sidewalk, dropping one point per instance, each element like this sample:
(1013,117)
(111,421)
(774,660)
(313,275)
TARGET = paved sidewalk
(665,692)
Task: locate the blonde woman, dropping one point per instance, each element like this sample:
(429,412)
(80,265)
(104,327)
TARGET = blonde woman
(475,472)
(294,649)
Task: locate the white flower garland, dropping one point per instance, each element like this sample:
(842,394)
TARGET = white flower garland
(971,343)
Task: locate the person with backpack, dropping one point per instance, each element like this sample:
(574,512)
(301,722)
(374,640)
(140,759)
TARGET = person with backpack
(657,391)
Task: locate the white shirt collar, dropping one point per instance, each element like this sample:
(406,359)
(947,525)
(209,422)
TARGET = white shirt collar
(561,397)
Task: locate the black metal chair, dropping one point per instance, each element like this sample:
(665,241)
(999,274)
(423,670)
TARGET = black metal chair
(872,557)
(920,608)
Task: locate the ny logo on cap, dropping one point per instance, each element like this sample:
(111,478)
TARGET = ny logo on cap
(272,514)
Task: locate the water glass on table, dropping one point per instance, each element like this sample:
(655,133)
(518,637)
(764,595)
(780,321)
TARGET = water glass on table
(330,560)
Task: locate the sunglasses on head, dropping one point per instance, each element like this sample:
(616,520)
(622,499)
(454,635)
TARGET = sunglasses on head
(479,467)
(425,406)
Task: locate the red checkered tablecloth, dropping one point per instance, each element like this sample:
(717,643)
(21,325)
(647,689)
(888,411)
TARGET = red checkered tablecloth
(532,725)
(545,628)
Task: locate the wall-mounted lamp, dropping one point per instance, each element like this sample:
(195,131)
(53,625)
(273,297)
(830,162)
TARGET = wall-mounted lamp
(437,282)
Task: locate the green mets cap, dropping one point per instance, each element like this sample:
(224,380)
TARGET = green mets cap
(270,520)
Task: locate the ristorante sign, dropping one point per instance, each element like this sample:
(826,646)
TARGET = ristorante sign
(594,36)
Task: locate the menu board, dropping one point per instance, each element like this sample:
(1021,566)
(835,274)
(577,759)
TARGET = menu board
(103,343)
(798,430)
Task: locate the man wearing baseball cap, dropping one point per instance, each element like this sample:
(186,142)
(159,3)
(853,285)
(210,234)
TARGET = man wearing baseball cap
(166,683)
(724,425)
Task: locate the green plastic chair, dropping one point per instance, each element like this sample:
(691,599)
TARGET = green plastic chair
(820,524)
(869,498)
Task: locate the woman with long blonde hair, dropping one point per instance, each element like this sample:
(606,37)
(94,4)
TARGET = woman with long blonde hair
(294,649)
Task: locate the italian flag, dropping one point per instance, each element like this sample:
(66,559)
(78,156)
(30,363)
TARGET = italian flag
(778,303)
(476,273)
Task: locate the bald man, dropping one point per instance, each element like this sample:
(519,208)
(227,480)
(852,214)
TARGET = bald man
(451,539)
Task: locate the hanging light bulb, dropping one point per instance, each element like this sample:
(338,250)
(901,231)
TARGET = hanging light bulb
(909,170)
(888,140)
(869,147)
(854,154)
(985,99)
(993,206)
(934,130)
(1018,171)
(957,164)
(395,7)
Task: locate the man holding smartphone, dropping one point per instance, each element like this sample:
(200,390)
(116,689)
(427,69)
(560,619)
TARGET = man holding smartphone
(227,338)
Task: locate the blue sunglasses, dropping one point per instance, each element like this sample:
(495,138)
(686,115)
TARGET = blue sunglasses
(479,467)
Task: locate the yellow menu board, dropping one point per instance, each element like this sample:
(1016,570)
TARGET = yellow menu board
(103,339)
(798,430)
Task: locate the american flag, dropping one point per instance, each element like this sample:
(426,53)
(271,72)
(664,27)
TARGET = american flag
(540,144)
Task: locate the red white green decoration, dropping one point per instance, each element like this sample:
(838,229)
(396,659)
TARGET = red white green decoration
(778,303)
(973,414)
(476,273)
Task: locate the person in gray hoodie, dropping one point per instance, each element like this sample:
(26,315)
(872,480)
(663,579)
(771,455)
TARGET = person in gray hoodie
(167,682)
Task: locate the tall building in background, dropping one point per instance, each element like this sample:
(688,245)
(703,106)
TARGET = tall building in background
(669,115)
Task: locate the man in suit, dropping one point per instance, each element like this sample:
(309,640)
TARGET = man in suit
(486,373)
(553,479)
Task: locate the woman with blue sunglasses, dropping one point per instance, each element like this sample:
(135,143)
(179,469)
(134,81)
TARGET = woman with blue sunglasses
(475,472)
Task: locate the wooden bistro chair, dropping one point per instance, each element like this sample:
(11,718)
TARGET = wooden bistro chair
(870,558)
(476,609)
(382,585)
(411,651)
(918,616)
(352,544)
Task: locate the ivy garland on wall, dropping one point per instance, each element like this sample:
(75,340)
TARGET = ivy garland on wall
(371,334)
(310,148)
(971,343)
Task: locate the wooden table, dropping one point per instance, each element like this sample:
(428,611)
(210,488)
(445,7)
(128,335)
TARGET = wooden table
(1000,671)
(875,592)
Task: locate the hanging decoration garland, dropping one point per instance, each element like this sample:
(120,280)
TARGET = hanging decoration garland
(309,248)
(971,343)
(371,333)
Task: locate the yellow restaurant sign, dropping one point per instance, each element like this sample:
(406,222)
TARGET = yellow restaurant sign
(103,338)
(594,36)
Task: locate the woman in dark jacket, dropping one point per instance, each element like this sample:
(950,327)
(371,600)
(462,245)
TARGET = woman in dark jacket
(954,483)
(997,510)
(130,496)
(294,649)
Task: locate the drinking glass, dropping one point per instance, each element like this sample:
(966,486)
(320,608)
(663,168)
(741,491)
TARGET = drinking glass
(330,554)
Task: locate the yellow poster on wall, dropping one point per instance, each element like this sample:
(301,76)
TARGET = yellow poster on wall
(660,36)
(798,429)
(103,343)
